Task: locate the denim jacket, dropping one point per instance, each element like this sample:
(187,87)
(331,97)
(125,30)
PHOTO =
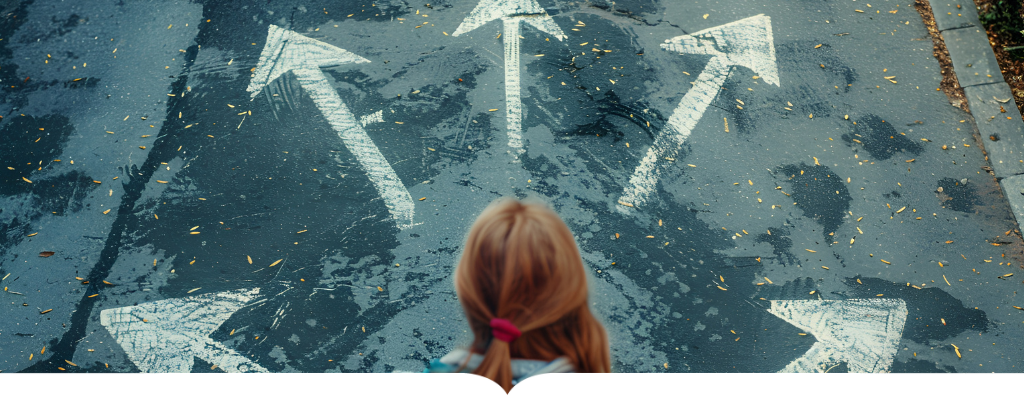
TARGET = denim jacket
(521,368)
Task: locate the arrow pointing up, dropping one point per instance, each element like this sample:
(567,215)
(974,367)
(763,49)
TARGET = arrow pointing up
(287,51)
(511,12)
(864,333)
(746,42)
(525,10)
(165,336)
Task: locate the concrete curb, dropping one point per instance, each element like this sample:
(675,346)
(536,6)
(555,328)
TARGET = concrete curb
(988,96)
(1003,138)
(950,14)
(974,63)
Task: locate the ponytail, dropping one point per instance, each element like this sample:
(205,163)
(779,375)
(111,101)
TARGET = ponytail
(521,263)
(497,364)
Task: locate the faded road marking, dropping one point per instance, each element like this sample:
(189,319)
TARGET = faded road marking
(511,12)
(287,51)
(864,333)
(165,336)
(746,42)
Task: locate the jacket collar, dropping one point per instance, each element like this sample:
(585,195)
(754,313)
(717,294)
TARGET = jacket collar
(521,368)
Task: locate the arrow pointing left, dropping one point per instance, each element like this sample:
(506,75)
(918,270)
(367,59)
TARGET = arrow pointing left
(287,51)
(165,336)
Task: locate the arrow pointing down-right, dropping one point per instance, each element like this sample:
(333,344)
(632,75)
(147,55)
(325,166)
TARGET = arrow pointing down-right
(864,333)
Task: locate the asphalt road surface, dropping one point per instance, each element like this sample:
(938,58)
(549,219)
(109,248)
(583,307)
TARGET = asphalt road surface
(285,186)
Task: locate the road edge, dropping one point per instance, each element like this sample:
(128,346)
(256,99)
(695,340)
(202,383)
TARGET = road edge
(988,97)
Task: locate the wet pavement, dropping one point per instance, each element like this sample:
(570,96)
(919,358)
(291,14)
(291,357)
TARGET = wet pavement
(285,187)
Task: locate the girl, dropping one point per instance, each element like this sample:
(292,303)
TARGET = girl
(523,288)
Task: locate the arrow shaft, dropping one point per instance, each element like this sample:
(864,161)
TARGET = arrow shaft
(667,143)
(513,98)
(383,177)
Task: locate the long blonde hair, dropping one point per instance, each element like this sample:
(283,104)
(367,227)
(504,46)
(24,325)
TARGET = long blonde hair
(521,263)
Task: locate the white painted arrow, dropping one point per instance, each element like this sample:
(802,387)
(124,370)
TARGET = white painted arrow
(165,336)
(746,42)
(864,333)
(287,51)
(511,12)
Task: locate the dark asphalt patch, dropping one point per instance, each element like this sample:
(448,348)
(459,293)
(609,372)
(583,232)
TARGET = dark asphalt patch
(30,143)
(62,194)
(820,194)
(927,308)
(68,24)
(614,121)
(27,149)
(13,16)
(957,195)
(781,244)
(880,138)
(572,93)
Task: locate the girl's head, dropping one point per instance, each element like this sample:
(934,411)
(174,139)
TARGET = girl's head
(520,263)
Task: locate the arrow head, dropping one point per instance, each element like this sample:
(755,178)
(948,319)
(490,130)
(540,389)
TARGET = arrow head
(746,42)
(864,333)
(526,10)
(165,336)
(286,50)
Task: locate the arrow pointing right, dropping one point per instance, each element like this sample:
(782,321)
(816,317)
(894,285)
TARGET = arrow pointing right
(864,333)
(165,336)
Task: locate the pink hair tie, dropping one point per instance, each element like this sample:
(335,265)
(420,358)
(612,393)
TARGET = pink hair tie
(504,330)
